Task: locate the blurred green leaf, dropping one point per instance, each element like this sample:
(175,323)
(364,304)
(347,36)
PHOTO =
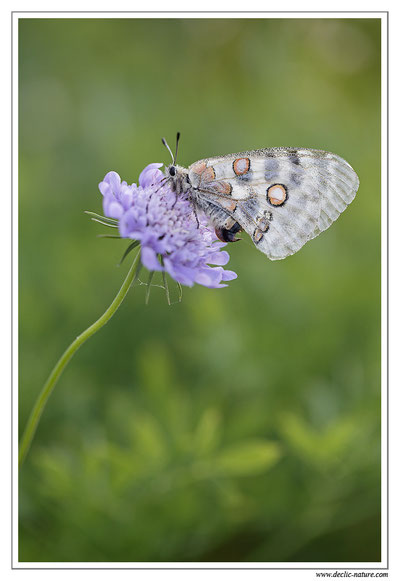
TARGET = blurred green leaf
(149,439)
(207,434)
(320,447)
(248,458)
(129,249)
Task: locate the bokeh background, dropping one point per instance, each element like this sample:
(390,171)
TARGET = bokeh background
(242,424)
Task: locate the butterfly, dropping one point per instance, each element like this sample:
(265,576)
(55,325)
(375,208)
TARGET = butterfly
(281,196)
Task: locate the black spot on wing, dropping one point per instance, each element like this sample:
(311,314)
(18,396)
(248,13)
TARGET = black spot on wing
(247,177)
(251,206)
(271,169)
(296,175)
(295,159)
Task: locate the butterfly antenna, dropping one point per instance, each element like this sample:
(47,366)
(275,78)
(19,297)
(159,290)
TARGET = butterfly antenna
(167,146)
(176,148)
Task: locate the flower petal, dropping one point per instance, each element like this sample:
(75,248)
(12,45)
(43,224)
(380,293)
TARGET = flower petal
(229,275)
(210,277)
(220,258)
(114,180)
(105,188)
(180,273)
(149,259)
(113,209)
(150,174)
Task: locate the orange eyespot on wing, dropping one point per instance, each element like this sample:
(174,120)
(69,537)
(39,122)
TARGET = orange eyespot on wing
(277,194)
(227,204)
(208,175)
(262,223)
(199,167)
(223,188)
(241,166)
(257,235)
(202,174)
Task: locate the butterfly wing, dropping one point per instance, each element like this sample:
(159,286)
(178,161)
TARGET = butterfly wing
(282,197)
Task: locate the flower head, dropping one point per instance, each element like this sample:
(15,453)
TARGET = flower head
(172,237)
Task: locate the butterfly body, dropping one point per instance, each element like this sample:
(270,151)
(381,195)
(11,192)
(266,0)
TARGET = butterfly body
(282,197)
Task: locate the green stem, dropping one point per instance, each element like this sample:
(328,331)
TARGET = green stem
(44,395)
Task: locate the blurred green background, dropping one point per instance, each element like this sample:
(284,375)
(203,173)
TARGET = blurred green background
(244,423)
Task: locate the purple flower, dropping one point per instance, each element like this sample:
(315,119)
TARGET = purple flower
(171,237)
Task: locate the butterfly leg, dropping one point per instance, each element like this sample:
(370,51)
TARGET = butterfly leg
(176,199)
(163,181)
(196,216)
(178,190)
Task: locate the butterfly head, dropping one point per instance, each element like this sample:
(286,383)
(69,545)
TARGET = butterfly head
(178,177)
(171,170)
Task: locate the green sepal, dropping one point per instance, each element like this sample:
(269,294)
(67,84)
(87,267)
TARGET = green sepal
(165,281)
(131,246)
(109,236)
(151,274)
(180,291)
(102,219)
